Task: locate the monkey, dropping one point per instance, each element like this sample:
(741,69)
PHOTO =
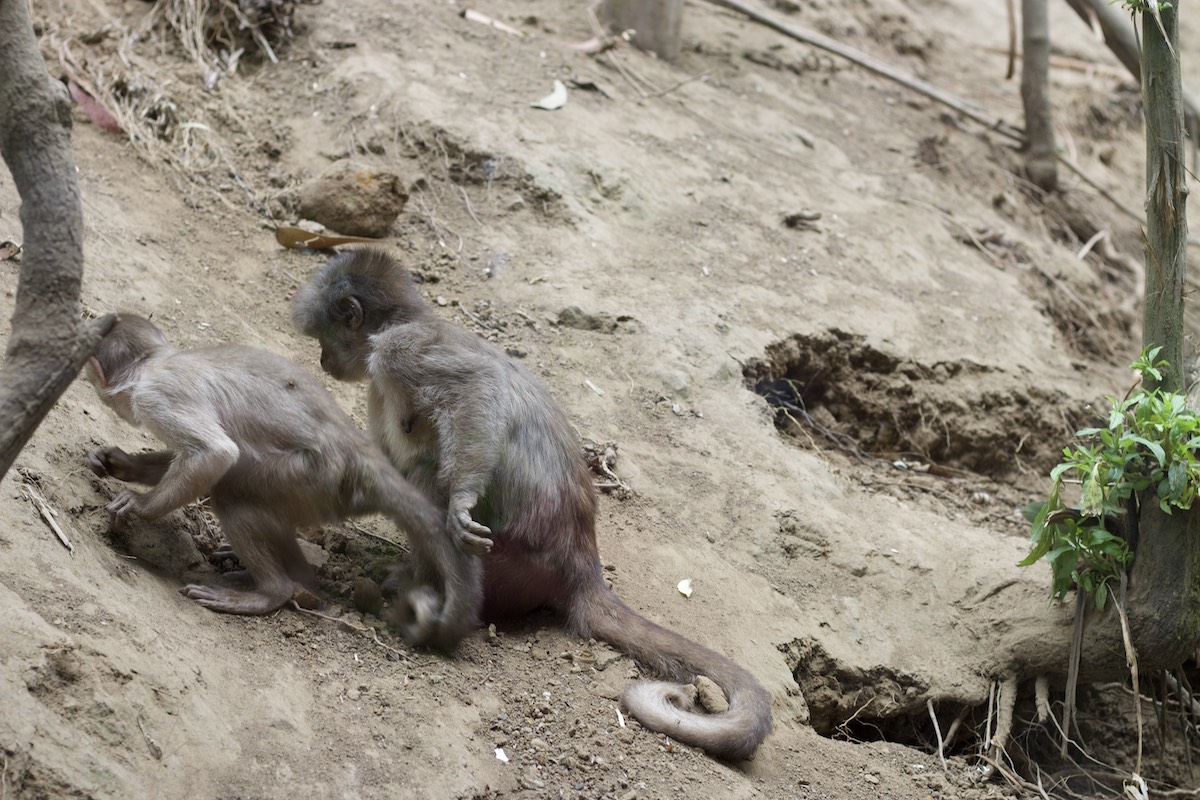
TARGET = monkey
(275,452)
(483,436)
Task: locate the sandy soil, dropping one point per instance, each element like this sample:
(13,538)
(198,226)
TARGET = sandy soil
(936,308)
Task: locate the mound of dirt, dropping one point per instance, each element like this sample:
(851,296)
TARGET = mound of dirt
(691,256)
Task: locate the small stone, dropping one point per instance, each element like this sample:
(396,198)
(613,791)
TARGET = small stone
(366,596)
(354,199)
(710,695)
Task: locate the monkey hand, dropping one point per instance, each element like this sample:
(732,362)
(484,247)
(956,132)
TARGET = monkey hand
(108,462)
(123,505)
(417,613)
(473,539)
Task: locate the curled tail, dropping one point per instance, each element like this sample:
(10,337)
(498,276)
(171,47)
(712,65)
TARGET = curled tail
(664,707)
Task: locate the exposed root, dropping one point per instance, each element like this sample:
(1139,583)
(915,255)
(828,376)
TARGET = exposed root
(1131,659)
(938,732)
(354,626)
(1006,702)
(1041,691)
(1072,675)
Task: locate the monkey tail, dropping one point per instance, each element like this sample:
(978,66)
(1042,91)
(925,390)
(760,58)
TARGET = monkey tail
(664,707)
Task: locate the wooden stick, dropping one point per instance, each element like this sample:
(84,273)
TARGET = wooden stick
(47,513)
(970,110)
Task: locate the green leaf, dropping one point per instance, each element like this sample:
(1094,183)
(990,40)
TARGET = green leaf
(1153,447)
(1091,501)
(1031,511)
(1177,480)
(1101,595)
(1039,550)
(1057,473)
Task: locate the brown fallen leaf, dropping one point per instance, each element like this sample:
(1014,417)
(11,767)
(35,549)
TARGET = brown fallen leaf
(292,237)
(9,249)
(95,111)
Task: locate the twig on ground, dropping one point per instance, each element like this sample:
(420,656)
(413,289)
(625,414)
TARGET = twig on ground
(474,317)
(354,626)
(379,537)
(968,109)
(48,514)
(470,210)
(155,750)
(1090,243)
(698,76)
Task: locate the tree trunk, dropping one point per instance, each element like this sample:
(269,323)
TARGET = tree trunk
(1040,163)
(656,23)
(1166,194)
(1025,638)
(49,343)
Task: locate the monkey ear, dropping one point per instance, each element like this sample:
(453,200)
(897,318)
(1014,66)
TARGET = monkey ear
(97,372)
(350,312)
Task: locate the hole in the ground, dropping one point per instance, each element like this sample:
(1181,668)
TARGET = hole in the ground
(873,705)
(836,388)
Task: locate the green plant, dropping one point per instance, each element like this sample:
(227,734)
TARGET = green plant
(1142,6)
(1150,442)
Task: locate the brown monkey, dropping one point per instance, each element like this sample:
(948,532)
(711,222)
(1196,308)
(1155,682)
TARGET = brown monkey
(275,452)
(484,437)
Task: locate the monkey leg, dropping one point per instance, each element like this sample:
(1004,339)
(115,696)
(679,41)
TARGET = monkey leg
(267,547)
(460,577)
(452,580)
(144,468)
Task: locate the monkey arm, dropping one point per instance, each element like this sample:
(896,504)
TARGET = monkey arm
(144,468)
(203,453)
(469,443)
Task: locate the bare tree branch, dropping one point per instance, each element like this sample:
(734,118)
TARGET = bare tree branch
(49,342)
(1117,29)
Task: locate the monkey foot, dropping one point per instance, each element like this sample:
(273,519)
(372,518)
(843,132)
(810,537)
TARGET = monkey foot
(236,601)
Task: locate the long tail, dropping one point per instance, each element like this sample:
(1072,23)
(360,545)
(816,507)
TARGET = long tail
(734,734)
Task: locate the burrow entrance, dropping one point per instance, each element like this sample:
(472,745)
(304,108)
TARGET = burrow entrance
(834,388)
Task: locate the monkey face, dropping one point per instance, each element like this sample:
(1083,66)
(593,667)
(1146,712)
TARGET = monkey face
(344,355)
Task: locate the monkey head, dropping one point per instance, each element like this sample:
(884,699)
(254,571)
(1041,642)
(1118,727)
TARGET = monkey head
(350,299)
(114,366)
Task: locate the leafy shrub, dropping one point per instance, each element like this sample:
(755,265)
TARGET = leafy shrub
(1149,443)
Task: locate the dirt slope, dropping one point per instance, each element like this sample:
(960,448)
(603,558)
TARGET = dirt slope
(937,304)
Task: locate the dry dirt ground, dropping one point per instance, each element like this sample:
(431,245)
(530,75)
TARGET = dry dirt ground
(631,249)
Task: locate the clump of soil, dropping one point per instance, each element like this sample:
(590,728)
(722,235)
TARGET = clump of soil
(874,404)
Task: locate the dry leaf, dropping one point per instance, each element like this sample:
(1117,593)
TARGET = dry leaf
(291,238)
(95,111)
(9,249)
(556,99)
